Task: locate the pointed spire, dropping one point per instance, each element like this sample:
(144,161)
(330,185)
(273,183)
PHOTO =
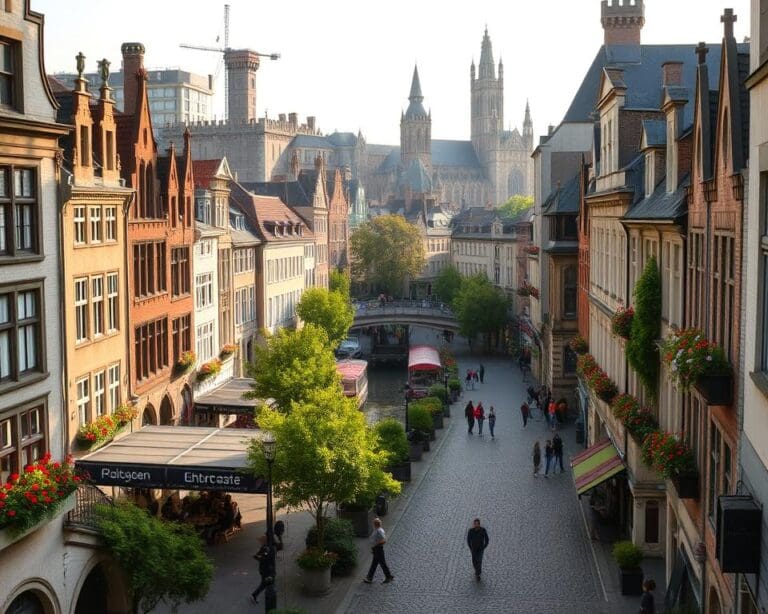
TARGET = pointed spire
(527,121)
(415,95)
(487,70)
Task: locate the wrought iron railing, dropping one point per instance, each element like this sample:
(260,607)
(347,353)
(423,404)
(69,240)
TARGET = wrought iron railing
(84,513)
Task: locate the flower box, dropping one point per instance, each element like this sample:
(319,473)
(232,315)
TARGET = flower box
(687,486)
(209,369)
(228,350)
(690,357)
(716,389)
(621,322)
(9,536)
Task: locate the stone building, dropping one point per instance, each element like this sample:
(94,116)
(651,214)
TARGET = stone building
(160,236)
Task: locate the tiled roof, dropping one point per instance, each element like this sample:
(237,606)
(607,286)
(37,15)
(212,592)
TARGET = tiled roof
(655,132)
(311,140)
(269,214)
(342,139)
(453,153)
(661,205)
(565,199)
(203,171)
(290,192)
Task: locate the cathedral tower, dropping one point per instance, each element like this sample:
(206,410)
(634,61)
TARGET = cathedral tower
(528,128)
(487,103)
(416,128)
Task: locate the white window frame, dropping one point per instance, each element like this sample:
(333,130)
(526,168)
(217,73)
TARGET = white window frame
(78,225)
(81,309)
(203,290)
(97,302)
(113,375)
(99,394)
(113,303)
(95,229)
(83,401)
(205,341)
(110,224)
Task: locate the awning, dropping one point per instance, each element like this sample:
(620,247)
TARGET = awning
(176,457)
(228,398)
(423,358)
(595,465)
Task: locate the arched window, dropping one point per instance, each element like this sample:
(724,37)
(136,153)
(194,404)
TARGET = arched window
(515,183)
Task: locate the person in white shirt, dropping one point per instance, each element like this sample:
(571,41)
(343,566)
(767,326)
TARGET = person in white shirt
(378,539)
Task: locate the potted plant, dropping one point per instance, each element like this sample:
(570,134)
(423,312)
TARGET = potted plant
(125,414)
(454,386)
(339,539)
(359,513)
(673,460)
(186,362)
(227,350)
(394,443)
(435,407)
(621,322)
(586,365)
(602,385)
(623,405)
(316,564)
(420,421)
(695,361)
(533,291)
(579,345)
(532,249)
(628,557)
(209,369)
(640,423)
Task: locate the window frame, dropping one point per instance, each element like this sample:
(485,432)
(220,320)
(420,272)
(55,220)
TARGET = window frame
(16,376)
(10,203)
(16,77)
(13,419)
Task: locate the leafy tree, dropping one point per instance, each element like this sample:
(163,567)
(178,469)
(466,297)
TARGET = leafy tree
(641,350)
(386,251)
(325,453)
(339,281)
(146,548)
(447,284)
(515,205)
(480,307)
(330,311)
(292,365)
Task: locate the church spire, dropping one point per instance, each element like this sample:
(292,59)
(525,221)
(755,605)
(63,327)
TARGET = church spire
(487,70)
(527,121)
(415,109)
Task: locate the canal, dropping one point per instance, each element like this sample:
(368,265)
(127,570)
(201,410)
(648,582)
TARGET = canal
(386,397)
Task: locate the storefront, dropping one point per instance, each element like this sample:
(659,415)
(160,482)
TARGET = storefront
(226,405)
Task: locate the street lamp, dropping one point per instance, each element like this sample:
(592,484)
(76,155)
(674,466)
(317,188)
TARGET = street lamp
(269,447)
(445,381)
(407,390)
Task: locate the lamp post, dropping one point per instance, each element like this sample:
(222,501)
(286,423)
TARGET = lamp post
(269,447)
(407,390)
(445,381)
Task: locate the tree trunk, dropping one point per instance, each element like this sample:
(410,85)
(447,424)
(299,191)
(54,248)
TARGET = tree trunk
(320,527)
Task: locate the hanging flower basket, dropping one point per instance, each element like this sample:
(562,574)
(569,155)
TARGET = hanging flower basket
(579,345)
(690,357)
(669,456)
(532,249)
(534,291)
(186,361)
(624,405)
(621,322)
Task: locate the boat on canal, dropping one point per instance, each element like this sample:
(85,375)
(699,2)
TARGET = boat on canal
(354,379)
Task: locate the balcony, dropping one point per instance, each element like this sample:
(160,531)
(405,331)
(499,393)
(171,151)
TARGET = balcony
(80,524)
(9,537)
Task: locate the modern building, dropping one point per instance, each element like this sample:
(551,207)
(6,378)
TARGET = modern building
(175,95)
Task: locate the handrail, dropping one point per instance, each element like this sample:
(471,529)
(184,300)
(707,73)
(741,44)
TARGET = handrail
(84,513)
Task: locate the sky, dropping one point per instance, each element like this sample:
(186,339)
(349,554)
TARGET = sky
(350,62)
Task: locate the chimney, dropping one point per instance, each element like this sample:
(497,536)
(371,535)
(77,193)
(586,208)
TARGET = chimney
(133,69)
(281,117)
(311,123)
(671,74)
(622,21)
(293,118)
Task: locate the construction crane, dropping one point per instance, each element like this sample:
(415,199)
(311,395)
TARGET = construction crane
(223,50)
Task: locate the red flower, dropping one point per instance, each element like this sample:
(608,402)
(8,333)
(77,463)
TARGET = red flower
(11,513)
(35,487)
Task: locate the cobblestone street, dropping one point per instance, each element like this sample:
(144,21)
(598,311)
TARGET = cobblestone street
(539,558)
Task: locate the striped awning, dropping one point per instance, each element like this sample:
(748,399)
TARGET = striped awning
(595,465)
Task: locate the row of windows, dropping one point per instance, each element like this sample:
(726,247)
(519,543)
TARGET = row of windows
(151,348)
(97,306)
(282,308)
(149,273)
(244,260)
(206,341)
(470,249)
(100,225)
(438,245)
(98,393)
(607,258)
(245,305)
(280,269)
(208,213)
(203,290)
(471,268)
(20,334)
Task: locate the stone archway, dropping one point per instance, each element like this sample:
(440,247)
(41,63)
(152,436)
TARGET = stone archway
(149,416)
(28,602)
(166,411)
(93,594)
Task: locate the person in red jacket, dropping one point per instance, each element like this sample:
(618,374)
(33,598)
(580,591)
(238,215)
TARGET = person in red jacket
(479,418)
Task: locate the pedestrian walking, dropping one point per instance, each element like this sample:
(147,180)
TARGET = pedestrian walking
(378,539)
(482,373)
(475,377)
(477,540)
(551,410)
(468,380)
(525,410)
(492,421)
(557,446)
(469,414)
(647,602)
(533,396)
(536,458)
(479,418)
(266,560)
(549,454)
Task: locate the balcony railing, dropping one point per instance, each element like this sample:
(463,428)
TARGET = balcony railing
(84,513)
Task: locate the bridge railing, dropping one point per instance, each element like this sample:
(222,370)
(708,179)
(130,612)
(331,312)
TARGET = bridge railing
(420,307)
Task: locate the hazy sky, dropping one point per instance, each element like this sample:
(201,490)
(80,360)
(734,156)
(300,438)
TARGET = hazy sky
(350,62)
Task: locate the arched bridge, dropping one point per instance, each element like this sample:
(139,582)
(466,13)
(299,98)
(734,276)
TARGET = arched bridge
(416,312)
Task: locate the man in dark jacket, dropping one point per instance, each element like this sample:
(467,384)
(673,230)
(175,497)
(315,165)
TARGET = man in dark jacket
(266,558)
(477,540)
(557,444)
(469,414)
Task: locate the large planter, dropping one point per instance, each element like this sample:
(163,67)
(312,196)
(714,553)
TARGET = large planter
(416,450)
(687,486)
(716,389)
(316,581)
(9,535)
(437,421)
(447,410)
(401,472)
(361,519)
(631,581)
(432,434)
(425,444)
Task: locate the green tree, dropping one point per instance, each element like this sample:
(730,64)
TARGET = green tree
(480,308)
(161,560)
(338,281)
(447,284)
(330,311)
(515,205)
(385,252)
(325,453)
(641,350)
(292,365)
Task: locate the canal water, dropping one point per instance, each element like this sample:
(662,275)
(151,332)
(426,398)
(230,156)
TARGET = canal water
(386,397)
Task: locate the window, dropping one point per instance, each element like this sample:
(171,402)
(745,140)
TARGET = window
(652,522)
(204,247)
(20,334)
(203,210)
(720,467)
(99,400)
(94,217)
(180,275)
(149,269)
(113,304)
(224,276)
(97,301)
(83,402)
(8,52)
(724,291)
(205,341)
(570,294)
(113,373)
(203,290)
(569,361)
(221,213)
(182,341)
(81,309)
(151,348)
(22,438)
(245,305)
(78,220)
(110,223)
(18,211)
